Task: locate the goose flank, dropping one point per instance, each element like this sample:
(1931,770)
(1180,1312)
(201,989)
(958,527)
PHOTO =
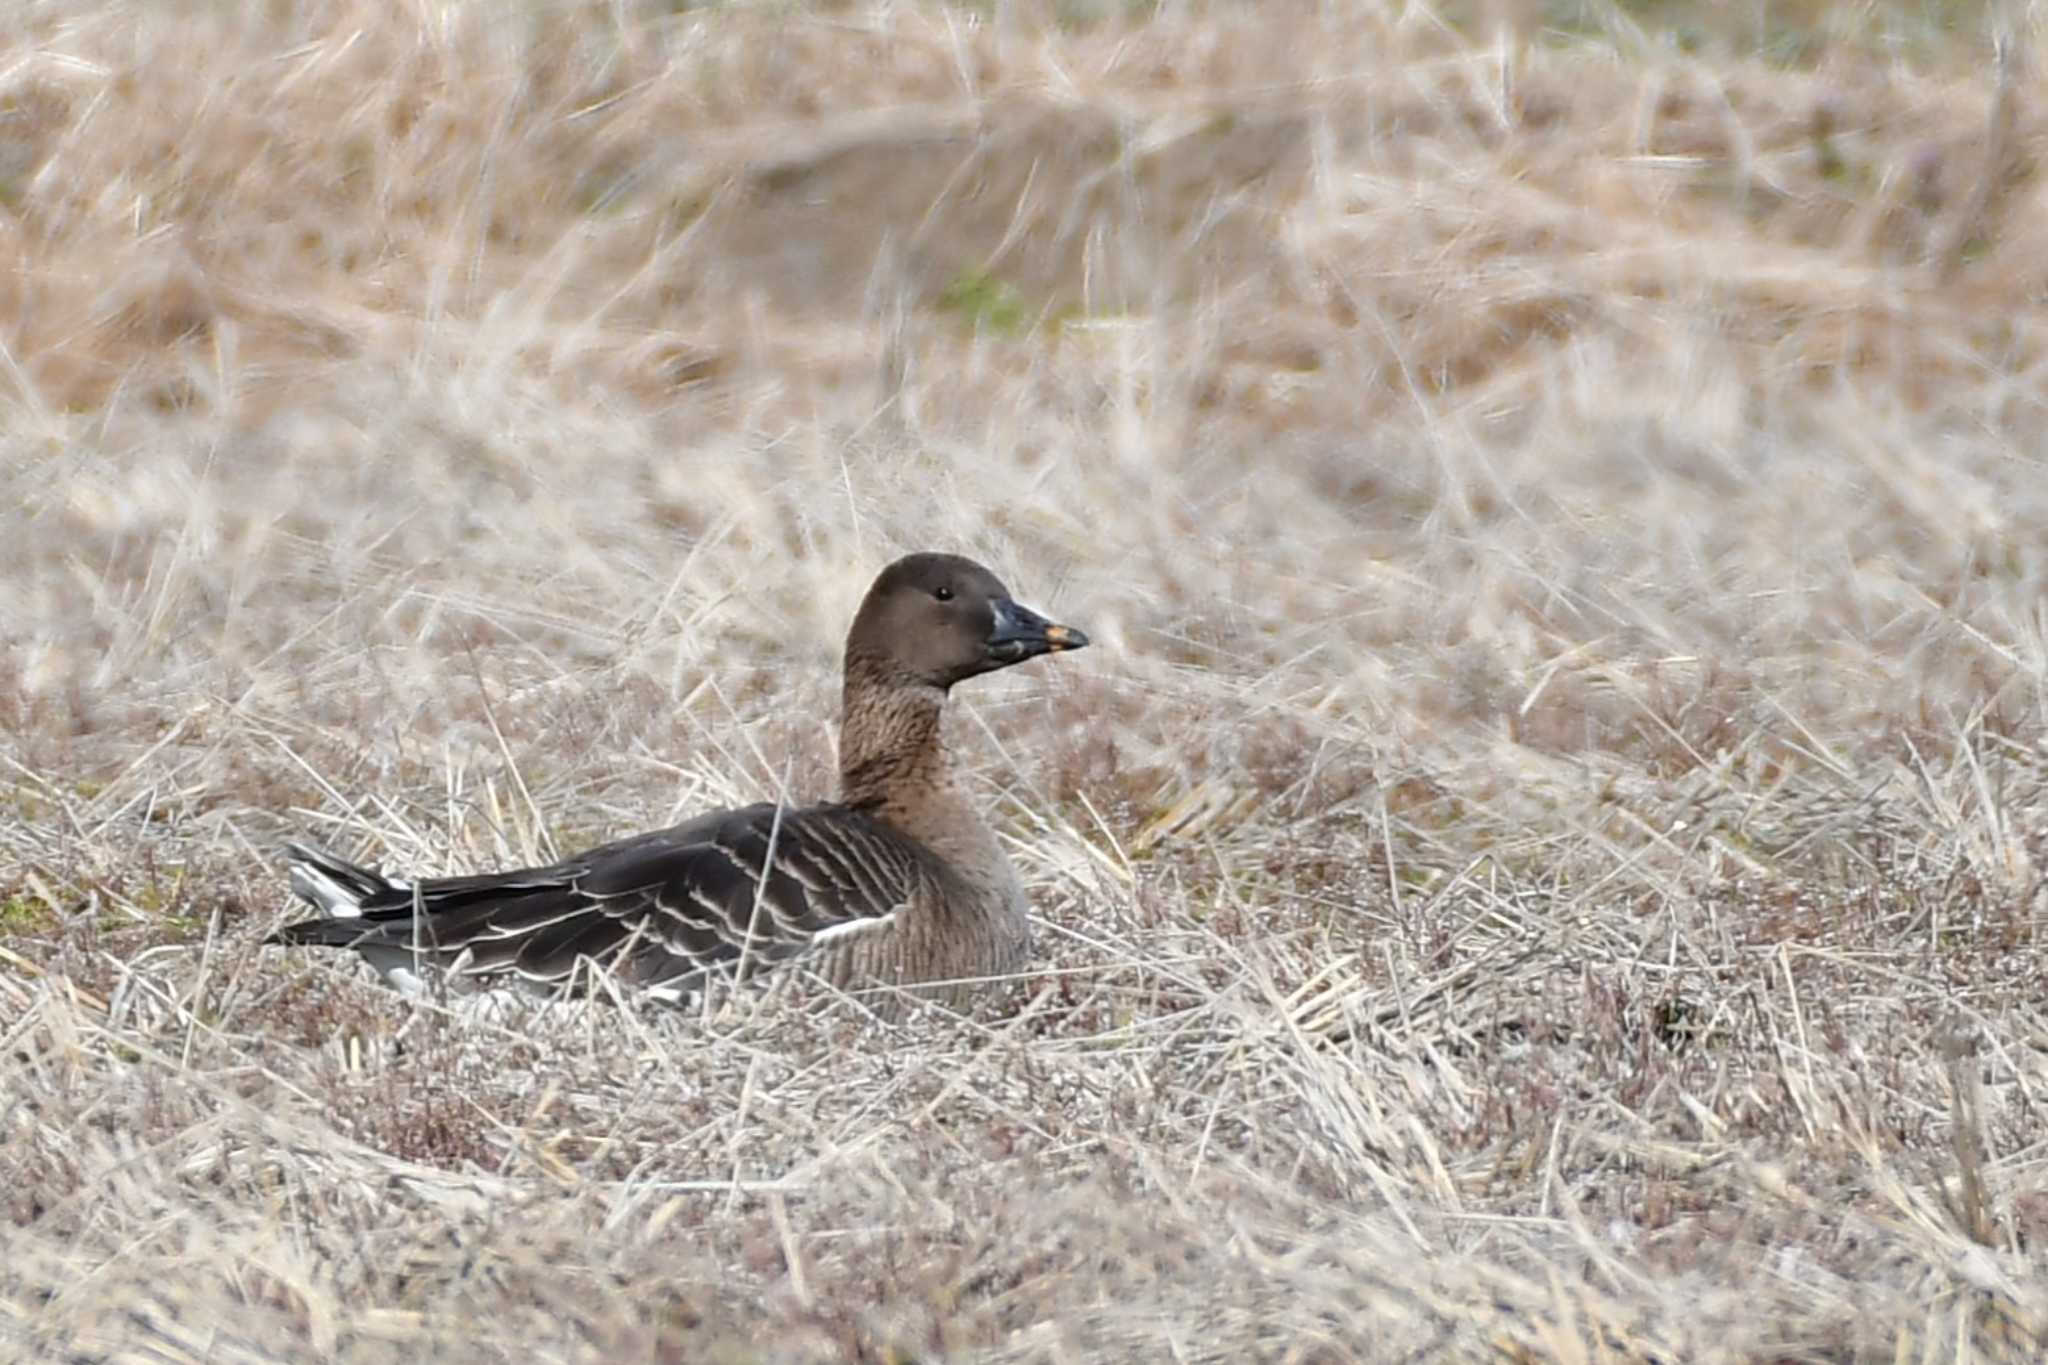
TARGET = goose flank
(899,882)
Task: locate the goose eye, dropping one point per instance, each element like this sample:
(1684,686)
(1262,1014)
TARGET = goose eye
(943,594)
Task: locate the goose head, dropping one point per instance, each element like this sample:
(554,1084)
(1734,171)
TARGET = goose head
(935,620)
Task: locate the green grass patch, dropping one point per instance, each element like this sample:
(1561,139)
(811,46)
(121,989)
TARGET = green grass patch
(986,303)
(24,914)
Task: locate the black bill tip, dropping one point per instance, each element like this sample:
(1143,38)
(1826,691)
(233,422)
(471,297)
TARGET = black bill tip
(1020,633)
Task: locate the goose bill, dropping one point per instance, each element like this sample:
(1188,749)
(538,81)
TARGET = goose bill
(1020,633)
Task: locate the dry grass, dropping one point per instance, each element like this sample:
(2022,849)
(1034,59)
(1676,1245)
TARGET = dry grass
(1545,863)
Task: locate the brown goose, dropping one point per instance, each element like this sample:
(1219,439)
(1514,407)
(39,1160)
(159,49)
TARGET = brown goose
(898,882)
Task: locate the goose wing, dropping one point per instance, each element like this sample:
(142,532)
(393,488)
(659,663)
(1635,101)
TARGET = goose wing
(738,889)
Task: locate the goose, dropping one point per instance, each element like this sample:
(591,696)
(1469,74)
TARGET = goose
(898,883)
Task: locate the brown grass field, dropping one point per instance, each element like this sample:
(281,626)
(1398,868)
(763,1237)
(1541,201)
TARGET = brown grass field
(1545,861)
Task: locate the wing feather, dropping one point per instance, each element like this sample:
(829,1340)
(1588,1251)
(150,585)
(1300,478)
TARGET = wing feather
(662,909)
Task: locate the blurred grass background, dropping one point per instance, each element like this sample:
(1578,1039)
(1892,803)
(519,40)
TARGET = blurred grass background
(1544,862)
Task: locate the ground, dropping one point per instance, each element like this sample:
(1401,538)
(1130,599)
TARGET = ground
(1543,862)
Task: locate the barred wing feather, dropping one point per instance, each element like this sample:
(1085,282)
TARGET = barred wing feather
(740,888)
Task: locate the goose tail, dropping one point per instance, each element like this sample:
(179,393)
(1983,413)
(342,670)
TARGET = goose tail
(338,889)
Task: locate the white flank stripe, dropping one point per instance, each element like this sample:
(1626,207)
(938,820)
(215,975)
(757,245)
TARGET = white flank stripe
(853,928)
(668,993)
